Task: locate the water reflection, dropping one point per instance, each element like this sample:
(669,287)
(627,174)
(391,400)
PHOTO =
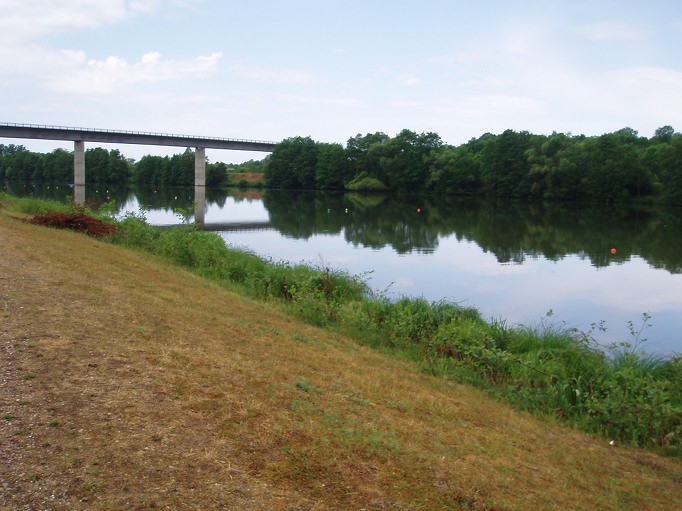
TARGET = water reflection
(513,232)
(509,259)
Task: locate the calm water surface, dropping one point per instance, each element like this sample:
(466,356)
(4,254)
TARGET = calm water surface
(510,260)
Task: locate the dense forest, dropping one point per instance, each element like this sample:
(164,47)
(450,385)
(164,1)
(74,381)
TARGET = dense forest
(613,167)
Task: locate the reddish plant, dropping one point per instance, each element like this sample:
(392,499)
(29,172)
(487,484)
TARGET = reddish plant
(77,221)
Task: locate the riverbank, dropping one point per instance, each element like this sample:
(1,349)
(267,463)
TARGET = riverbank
(130,383)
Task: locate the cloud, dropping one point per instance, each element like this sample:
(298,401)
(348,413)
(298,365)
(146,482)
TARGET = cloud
(151,58)
(77,75)
(23,21)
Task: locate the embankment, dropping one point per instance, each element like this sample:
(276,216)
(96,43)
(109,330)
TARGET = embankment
(127,383)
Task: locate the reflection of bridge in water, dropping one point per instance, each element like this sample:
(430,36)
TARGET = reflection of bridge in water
(263,225)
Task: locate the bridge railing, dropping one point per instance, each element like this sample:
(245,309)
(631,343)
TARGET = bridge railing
(127,132)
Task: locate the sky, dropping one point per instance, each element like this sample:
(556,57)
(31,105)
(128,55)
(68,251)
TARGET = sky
(332,69)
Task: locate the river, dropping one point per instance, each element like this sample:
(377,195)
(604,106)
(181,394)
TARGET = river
(579,265)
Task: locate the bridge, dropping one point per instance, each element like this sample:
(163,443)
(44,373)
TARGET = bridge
(81,135)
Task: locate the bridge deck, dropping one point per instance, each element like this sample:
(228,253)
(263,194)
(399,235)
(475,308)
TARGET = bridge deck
(45,132)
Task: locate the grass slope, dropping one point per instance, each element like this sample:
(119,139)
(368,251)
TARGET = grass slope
(126,383)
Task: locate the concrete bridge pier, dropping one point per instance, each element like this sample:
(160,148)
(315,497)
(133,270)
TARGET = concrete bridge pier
(200,185)
(200,166)
(79,172)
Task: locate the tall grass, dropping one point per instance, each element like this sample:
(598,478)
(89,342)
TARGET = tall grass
(621,393)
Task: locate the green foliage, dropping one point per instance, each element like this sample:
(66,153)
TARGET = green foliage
(332,168)
(293,164)
(257,166)
(32,206)
(216,174)
(18,164)
(104,166)
(363,182)
(614,167)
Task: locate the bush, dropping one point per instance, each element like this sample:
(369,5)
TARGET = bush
(363,182)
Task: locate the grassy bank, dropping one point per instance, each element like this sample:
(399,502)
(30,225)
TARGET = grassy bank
(131,384)
(622,393)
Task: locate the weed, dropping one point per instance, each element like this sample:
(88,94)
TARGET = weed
(303,385)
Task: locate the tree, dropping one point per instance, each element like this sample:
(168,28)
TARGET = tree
(181,169)
(58,166)
(118,170)
(406,161)
(216,174)
(664,134)
(293,164)
(456,170)
(505,166)
(363,152)
(671,172)
(332,168)
(11,149)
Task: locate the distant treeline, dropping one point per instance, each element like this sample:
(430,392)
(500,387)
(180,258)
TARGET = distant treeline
(19,164)
(607,168)
(103,166)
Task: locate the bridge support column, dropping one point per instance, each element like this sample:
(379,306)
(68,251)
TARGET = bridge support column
(200,166)
(79,171)
(200,185)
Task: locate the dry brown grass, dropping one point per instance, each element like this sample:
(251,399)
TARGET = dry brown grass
(250,177)
(126,383)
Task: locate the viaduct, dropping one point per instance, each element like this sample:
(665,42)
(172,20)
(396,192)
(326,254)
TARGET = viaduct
(81,135)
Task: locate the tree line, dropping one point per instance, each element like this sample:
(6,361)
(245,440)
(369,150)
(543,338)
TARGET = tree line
(19,164)
(105,166)
(607,168)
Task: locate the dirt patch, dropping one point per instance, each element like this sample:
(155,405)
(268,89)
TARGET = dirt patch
(249,177)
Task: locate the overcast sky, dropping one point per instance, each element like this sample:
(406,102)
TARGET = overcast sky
(331,69)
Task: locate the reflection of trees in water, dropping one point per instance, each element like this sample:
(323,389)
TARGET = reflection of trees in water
(512,231)
(371,221)
(63,192)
